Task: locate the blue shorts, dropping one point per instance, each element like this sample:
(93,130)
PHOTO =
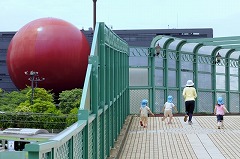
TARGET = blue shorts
(219,118)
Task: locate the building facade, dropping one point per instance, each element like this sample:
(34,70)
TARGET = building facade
(134,38)
(5,80)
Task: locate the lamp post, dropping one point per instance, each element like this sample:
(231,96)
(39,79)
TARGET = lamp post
(37,79)
(33,78)
(218,57)
(94,13)
(157,48)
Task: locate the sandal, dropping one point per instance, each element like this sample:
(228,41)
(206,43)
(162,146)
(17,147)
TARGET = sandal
(185,118)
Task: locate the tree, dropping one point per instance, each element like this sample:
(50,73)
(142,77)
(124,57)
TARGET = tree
(10,100)
(69,100)
(72,117)
(43,111)
(43,102)
(41,94)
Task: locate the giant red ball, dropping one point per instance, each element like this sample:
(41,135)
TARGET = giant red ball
(54,48)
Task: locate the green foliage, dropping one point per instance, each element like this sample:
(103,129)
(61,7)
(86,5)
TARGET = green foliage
(25,90)
(42,102)
(1,90)
(24,107)
(40,94)
(72,117)
(19,112)
(40,106)
(33,120)
(10,100)
(69,100)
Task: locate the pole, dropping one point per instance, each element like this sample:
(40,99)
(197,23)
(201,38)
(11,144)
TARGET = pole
(32,80)
(94,13)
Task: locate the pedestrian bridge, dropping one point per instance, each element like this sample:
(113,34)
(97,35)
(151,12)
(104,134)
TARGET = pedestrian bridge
(118,77)
(201,140)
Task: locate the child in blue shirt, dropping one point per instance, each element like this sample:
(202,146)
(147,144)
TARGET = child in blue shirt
(144,109)
(167,109)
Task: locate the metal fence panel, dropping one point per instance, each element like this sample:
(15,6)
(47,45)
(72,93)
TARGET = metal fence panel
(205,102)
(78,146)
(159,102)
(136,96)
(234,103)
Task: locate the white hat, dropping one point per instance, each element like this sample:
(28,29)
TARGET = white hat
(189,83)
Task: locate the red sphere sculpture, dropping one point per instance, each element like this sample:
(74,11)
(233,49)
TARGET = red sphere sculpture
(54,48)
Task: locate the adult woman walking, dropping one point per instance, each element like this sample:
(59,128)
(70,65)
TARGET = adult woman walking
(189,94)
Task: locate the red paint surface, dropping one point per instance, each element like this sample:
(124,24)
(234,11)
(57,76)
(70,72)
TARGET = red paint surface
(54,48)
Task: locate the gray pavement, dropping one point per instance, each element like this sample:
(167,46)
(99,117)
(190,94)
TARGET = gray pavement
(201,140)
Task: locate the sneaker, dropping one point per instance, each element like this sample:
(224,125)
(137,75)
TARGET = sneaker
(219,124)
(141,123)
(185,118)
(190,122)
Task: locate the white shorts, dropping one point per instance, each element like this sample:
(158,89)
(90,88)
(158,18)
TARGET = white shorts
(168,113)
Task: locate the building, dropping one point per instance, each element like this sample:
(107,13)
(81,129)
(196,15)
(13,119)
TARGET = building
(5,81)
(138,38)
(143,38)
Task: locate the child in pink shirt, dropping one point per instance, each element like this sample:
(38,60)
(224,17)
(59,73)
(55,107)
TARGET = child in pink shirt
(219,111)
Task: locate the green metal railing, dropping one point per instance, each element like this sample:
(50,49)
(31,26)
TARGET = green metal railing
(104,104)
(154,77)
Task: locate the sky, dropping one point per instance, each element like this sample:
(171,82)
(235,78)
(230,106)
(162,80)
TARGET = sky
(221,15)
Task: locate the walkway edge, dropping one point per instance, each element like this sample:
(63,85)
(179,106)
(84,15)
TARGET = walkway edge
(118,146)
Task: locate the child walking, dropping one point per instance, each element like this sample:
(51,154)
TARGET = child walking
(167,109)
(144,109)
(219,111)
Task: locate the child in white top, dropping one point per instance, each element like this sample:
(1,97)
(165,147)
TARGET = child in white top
(167,108)
(219,111)
(144,109)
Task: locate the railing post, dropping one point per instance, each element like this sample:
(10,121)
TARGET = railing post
(151,78)
(84,115)
(102,95)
